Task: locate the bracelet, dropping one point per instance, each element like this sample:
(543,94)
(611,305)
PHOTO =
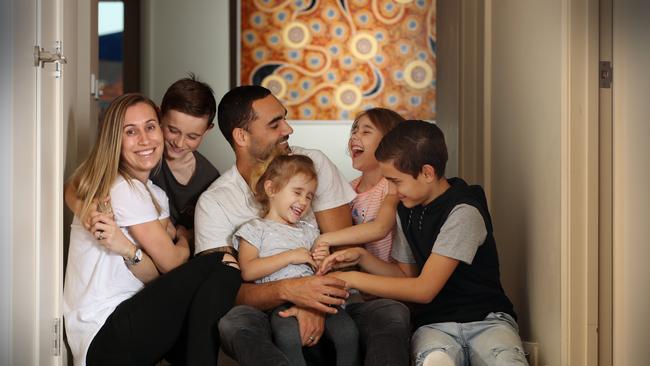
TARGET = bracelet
(137,257)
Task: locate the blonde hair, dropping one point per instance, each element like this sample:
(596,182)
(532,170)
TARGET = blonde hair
(279,169)
(98,172)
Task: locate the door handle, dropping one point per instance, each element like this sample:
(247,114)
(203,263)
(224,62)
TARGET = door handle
(41,56)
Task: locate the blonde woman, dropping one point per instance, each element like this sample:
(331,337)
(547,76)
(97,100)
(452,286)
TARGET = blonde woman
(110,317)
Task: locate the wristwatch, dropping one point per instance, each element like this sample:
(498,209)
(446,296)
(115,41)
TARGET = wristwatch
(137,257)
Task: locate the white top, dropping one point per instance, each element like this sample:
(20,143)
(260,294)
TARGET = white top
(271,237)
(229,201)
(97,280)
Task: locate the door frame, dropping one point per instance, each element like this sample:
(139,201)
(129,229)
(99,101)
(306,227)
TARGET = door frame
(606,197)
(579,165)
(580,184)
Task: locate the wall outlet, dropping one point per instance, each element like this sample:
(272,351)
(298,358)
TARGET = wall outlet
(532,352)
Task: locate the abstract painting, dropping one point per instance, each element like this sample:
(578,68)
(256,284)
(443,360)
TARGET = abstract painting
(331,59)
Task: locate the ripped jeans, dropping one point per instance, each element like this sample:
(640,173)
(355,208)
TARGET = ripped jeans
(492,341)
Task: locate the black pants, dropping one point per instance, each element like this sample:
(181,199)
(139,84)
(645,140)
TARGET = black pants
(340,329)
(384,331)
(383,325)
(188,301)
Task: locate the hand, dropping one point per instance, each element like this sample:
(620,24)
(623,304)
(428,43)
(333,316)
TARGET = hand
(182,237)
(310,322)
(315,292)
(302,255)
(109,235)
(345,276)
(320,251)
(341,259)
(182,231)
(98,206)
(171,230)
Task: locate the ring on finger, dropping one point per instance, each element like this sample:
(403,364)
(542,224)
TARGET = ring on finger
(311,339)
(100,236)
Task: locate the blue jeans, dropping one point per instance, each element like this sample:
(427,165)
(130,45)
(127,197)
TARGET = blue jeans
(492,341)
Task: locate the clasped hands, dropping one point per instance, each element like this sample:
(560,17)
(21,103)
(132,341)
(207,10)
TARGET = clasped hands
(320,294)
(326,261)
(101,224)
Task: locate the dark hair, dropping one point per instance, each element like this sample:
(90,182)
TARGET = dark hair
(382,118)
(413,144)
(190,96)
(279,170)
(236,108)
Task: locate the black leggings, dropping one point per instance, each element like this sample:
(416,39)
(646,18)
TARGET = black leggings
(185,303)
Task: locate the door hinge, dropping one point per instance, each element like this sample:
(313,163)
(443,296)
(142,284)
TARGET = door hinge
(41,56)
(56,337)
(606,74)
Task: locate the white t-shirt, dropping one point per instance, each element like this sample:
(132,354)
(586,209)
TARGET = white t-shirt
(229,201)
(97,280)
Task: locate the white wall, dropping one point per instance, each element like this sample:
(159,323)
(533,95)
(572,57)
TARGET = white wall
(6,115)
(526,74)
(631,174)
(193,36)
(183,36)
(331,137)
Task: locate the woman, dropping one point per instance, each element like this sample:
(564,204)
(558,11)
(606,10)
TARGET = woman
(110,317)
(186,114)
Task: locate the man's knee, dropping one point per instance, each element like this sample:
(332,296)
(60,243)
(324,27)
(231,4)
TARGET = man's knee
(242,318)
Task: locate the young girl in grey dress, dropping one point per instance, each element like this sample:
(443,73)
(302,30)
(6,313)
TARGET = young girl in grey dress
(277,246)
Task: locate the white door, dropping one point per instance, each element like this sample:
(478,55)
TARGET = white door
(631,176)
(49,154)
(38,125)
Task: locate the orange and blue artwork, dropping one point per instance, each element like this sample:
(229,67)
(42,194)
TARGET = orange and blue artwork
(331,59)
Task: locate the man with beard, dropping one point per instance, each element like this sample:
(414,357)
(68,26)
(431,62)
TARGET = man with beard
(253,121)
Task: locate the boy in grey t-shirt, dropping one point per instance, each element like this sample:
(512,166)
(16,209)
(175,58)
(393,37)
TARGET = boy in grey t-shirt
(450,268)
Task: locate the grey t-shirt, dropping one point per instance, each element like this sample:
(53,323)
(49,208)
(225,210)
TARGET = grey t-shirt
(271,237)
(459,238)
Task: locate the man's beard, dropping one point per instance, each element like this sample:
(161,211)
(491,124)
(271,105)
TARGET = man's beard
(275,150)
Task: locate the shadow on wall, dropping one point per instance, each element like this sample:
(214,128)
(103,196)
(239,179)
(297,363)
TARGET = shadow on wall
(511,234)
